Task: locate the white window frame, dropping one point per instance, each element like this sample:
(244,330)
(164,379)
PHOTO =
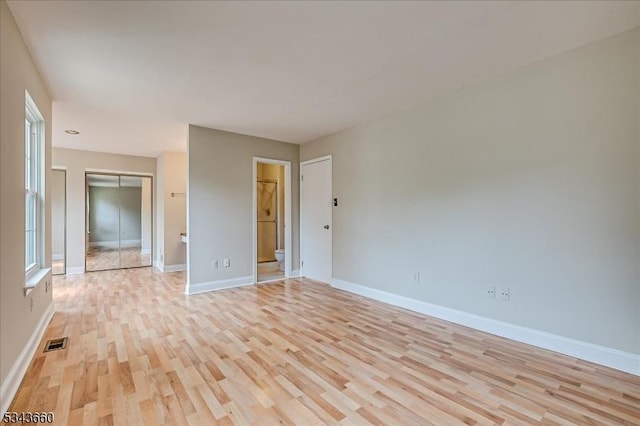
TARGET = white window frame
(34,185)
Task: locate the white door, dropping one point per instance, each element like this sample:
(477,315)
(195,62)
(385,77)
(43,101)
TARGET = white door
(315,222)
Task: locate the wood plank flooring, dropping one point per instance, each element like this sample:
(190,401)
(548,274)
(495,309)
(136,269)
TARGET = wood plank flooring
(103,257)
(269,272)
(294,352)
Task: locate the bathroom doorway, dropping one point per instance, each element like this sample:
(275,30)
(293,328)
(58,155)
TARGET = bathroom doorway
(272,213)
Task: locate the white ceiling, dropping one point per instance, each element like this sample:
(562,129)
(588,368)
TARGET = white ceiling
(129,75)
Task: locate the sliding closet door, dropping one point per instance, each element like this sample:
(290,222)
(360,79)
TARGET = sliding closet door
(103,222)
(135,221)
(119,221)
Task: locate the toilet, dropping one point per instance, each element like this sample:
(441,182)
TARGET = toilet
(280,258)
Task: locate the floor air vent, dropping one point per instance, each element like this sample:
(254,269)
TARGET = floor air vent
(55,344)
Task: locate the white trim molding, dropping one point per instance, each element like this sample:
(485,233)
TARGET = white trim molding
(160,266)
(295,273)
(609,357)
(75,270)
(118,172)
(219,285)
(174,268)
(12,382)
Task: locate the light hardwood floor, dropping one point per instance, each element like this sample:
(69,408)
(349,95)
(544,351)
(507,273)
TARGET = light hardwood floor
(57,267)
(294,352)
(269,272)
(107,257)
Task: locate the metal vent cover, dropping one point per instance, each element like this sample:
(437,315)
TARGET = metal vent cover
(56,344)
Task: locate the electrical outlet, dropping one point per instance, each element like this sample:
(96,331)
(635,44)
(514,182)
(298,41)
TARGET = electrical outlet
(505,294)
(416,277)
(227,262)
(214,264)
(491,292)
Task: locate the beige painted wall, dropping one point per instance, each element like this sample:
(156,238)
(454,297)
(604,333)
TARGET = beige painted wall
(172,211)
(76,162)
(17,74)
(57,212)
(159,197)
(529,181)
(220,211)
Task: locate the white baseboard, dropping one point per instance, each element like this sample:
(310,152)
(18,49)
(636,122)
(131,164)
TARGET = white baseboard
(295,273)
(174,268)
(57,256)
(75,270)
(609,357)
(115,243)
(103,243)
(12,382)
(169,268)
(219,285)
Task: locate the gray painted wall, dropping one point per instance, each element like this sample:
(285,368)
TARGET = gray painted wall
(113,209)
(220,204)
(130,214)
(529,181)
(103,214)
(17,74)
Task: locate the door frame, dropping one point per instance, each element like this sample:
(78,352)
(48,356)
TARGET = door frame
(302,254)
(288,252)
(86,216)
(63,169)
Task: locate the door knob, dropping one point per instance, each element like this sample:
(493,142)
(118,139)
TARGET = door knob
(326,227)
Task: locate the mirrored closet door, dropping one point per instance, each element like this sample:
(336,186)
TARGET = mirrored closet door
(118,221)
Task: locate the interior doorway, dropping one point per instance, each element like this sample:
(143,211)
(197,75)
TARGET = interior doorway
(119,221)
(271,219)
(58,221)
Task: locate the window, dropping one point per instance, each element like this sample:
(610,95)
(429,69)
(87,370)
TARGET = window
(33,185)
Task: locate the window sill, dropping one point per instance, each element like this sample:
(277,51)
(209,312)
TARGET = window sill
(35,280)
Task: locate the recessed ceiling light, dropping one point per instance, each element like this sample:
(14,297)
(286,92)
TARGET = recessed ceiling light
(72,132)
